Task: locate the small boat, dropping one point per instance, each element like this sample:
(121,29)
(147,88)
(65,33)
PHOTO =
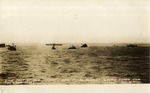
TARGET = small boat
(2,45)
(116,46)
(53,47)
(72,47)
(11,48)
(132,45)
(84,45)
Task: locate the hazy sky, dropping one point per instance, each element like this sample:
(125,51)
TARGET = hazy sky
(101,21)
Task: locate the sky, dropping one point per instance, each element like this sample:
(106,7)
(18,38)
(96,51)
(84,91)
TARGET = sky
(79,21)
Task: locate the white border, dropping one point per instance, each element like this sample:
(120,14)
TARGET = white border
(106,88)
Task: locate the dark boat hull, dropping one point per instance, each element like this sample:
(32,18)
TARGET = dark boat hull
(2,45)
(132,45)
(12,48)
(84,45)
(73,47)
(53,48)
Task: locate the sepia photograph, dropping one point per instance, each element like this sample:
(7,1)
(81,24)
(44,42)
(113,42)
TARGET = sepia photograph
(74,42)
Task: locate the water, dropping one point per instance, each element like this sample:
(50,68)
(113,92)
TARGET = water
(37,64)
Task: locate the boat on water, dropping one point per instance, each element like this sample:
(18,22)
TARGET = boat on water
(2,45)
(132,45)
(116,46)
(72,47)
(84,45)
(53,47)
(11,48)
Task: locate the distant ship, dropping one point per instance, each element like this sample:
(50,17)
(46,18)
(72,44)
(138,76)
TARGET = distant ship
(116,46)
(72,47)
(53,45)
(11,47)
(132,45)
(2,45)
(84,45)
